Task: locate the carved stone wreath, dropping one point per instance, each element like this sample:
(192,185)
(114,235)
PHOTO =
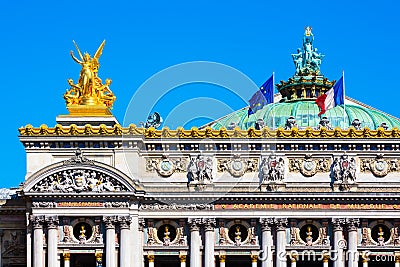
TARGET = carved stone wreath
(308,166)
(379,166)
(166,166)
(78,180)
(237,166)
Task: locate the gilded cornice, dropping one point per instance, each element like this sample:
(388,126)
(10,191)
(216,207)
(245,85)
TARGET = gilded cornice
(223,133)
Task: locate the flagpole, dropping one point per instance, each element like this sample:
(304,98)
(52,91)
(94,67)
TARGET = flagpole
(344,100)
(273,99)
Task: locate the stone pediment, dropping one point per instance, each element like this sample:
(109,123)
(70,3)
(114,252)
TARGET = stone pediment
(79,175)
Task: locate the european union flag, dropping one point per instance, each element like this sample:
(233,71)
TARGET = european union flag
(262,97)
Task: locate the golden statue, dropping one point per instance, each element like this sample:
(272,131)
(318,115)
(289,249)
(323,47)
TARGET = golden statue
(89,96)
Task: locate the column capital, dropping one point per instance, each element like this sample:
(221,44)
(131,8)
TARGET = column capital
(338,224)
(52,222)
(98,256)
(124,221)
(195,223)
(109,221)
(254,257)
(182,257)
(326,257)
(37,221)
(352,224)
(266,224)
(281,224)
(66,256)
(222,257)
(150,257)
(209,224)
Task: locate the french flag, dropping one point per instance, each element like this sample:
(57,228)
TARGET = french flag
(332,98)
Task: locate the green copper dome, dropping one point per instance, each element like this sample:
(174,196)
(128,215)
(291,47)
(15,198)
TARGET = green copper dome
(297,101)
(306,115)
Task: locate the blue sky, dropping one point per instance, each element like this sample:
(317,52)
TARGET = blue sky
(144,38)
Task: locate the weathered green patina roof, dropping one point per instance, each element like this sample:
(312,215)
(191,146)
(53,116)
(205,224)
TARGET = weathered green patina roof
(306,115)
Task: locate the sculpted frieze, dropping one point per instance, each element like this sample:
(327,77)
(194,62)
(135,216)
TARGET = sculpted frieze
(379,166)
(237,166)
(78,180)
(308,166)
(166,166)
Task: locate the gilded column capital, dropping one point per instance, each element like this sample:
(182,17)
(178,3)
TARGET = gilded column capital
(281,224)
(222,257)
(254,257)
(195,224)
(52,222)
(66,256)
(109,221)
(150,257)
(338,224)
(352,224)
(209,224)
(326,257)
(37,221)
(182,257)
(124,222)
(99,256)
(266,224)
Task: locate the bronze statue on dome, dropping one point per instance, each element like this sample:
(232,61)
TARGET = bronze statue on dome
(89,91)
(307,60)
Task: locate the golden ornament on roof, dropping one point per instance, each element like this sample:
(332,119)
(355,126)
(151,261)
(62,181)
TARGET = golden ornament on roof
(89,96)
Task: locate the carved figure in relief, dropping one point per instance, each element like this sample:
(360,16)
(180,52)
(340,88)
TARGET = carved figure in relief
(272,169)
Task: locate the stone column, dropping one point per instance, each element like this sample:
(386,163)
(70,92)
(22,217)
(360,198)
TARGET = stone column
(222,259)
(352,253)
(293,261)
(182,259)
(140,232)
(267,243)
(325,260)
(67,258)
(365,261)
(254,258)
(110,241)
(338,242)
(209,226)
(52,227)
(37,223)
(28,242)
(150,258)
(195,242)
(99,259)
(280,226)
(124,241)
(396,259)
